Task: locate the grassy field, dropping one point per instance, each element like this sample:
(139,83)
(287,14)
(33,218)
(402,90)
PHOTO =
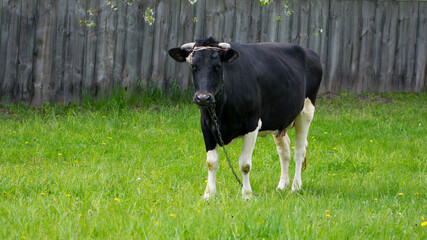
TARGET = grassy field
(135,169)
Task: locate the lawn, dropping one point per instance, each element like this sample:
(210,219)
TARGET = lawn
(135,169)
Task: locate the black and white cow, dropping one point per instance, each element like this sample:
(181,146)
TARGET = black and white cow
(256,89)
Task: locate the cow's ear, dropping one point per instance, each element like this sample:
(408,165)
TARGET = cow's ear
(229,56)
(179,54)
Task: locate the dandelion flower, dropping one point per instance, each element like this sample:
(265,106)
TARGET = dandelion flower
(416,194)
(109,138)
(206,180)
(172,215)
(43,194)
(293,147)
(423,224)
(371,141)
(422,218)
(339,134)
(67,195)
(59,154)
(104,116)
(375,199)
(400,194)
(157,223)
(116,199)
(327,216)
(325,132)
(104,143)
(26,142)
(327,210)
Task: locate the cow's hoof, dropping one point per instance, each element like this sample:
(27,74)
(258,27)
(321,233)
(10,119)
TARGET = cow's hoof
(246,195)
(296,185)
(282,185)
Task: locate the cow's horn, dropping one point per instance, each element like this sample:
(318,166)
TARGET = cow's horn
(188,45)
(224,45)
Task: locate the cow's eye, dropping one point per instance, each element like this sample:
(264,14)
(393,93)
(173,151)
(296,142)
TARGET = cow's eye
(194,67)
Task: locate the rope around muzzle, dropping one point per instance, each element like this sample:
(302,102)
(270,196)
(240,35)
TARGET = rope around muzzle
(212,111)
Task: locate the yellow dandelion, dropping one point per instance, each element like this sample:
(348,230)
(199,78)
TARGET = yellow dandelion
(23,237)
(416,194)
(67,195)
(59,154)
(109,138)
(103,143)
(103,116)
(325,132)
(172,215)
(157,223)
(293,147)
(327,216)
(339,134)
(329,174)
(80,214)
(179,149)
(423,224)
(375,199)
(26,142)
(422,218)
(43,194)
(199,211)
(400,194)
(14,132)
(206,180)
(314,139)
(327,210)
(371,140)
(76,161)
(116,199)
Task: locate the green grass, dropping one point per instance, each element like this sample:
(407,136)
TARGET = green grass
(135,168)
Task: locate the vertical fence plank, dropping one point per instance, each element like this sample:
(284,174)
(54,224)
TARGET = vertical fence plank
(11,56)
(333,75)
(24,87)
(133,45)
(43,59)
(421,49)
(366,46)
(120,43)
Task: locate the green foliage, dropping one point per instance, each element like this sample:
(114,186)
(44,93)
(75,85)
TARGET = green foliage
(132,166)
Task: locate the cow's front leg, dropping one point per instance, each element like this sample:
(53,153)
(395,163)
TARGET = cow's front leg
(245,160)
(212,164)
(282,146)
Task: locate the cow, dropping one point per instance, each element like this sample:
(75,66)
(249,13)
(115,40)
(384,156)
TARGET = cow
(254,90)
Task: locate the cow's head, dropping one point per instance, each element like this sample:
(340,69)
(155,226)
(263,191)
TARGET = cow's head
(205,57)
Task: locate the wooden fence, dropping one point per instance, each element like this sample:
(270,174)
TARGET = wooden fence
(47,53)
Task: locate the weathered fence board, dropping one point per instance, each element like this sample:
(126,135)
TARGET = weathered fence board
(48,53)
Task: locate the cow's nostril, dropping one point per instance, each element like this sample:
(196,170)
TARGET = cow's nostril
(203,98)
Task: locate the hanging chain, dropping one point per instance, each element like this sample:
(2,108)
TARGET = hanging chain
(215,119)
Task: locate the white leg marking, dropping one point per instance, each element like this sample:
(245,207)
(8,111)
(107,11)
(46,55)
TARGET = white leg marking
(282,146)
(212,164)
(245,160)
(302,124)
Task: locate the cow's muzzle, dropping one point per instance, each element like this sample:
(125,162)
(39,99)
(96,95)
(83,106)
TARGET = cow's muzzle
(204,99)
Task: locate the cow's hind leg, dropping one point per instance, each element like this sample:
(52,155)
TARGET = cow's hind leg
(282,146)
(245,160)
(212,163)
(302,124)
